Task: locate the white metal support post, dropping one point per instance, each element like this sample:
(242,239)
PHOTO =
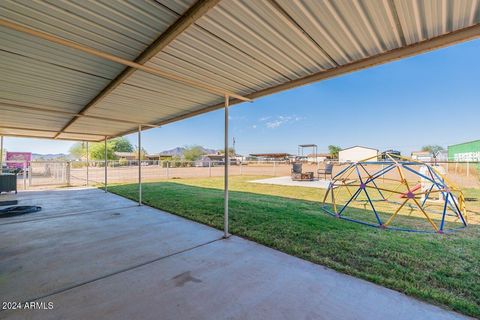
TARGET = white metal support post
(227,163)
(1,154)
(106,163)
(139,164)
(88,160)
(24,175)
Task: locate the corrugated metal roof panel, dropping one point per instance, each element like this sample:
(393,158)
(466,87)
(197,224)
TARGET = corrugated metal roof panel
(21,44)
(238,25)
(199,49)
(124,29)
(33,67)
(24,79)
(100,127)
(422,20)
(146,81)
(9,119)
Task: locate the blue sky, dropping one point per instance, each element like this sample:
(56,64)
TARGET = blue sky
(433,98)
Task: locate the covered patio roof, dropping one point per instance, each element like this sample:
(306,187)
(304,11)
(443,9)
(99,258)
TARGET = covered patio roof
(80,70)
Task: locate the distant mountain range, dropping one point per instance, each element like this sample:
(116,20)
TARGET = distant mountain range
(51,156)
(178,151)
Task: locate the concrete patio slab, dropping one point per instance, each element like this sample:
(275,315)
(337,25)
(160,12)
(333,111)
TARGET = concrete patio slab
(66,201)
(287,181)
(142,263)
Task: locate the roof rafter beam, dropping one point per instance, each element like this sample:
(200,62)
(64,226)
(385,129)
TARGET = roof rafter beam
(468,33)
(51,131)
(49,138)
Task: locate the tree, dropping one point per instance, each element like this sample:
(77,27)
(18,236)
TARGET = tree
(231,151)
(78,150)
(192,153)
(334,150)
(97,149)
(433,149)
(143,153)
(121,144)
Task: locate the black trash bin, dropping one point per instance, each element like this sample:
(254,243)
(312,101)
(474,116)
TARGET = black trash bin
(8,182)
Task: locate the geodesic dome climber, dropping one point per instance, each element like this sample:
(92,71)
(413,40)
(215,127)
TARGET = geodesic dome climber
(396,193)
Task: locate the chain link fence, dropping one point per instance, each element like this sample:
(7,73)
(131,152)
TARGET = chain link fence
(50,174)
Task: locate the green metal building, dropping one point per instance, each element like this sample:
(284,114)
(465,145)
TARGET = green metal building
(465,152)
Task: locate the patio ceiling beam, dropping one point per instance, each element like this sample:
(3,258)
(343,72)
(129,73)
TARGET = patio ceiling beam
(468,33)
(132,64)
(61,112)
(52,131)
(17,135)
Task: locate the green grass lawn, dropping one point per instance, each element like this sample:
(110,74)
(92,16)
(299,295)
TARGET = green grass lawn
(441,269)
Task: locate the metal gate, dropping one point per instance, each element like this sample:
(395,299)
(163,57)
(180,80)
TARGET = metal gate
(48,173)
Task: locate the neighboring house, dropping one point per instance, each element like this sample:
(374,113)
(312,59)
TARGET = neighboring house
(424,156)
(126,155)
(392,152)
(357,153)
(158,156)
(270,156)
(207,159)
(442,156)
(320,157)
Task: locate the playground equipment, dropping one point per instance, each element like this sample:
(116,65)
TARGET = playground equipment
(396,193)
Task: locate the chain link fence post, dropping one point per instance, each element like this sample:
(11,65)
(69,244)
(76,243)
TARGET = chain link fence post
(24,175)
(67,169)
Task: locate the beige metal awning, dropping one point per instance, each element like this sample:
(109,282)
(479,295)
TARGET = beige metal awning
(83,70)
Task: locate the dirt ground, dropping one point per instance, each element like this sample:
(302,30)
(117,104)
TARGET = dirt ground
(78,176)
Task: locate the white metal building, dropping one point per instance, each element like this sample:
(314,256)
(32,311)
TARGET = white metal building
(425,156)
(318,157)
(357,153)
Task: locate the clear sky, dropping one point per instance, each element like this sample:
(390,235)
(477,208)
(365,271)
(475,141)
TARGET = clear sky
(433,98)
